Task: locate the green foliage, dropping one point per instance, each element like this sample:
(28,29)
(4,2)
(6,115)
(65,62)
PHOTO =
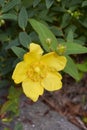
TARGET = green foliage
(18,51)
(36,2)
(8,16)
(71,69)
(12,103)
(49,3)
(10,5)
(49,23)
(71,48)
(24,39)
(23,18)
(84,3)
(44,34)
(82,67)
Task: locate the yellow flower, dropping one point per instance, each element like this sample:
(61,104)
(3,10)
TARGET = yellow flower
(38,72)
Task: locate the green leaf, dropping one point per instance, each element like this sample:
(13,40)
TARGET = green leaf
(23,18)
(10,5)
(57,31)
(84,22)
(3,36)
(36,2)
(73,48)
(13,90)
(45,35)
(9,16)
(6,107)
(82,67)
(13,101)
(84,3)
(65,20)
(49,3)
(2,3)
(24,39)
(70,36)
(71,68)
(18,51)
(27,3)
(10,105)
(14,42)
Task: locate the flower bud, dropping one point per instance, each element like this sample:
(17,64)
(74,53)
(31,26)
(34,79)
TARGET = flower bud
(48,41)
(2,22)
(61,49)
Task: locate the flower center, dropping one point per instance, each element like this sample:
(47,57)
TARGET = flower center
(37,71)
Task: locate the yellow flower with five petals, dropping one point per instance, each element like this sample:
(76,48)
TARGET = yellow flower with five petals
(38,72)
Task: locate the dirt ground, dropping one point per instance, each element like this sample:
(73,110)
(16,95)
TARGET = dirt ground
(60,110)
(39,116)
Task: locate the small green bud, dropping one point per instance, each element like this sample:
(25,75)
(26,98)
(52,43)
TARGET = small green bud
(58,0)
(77,14)
(48,41)
(69,11)
(61,49)
(6,119)
(2,22)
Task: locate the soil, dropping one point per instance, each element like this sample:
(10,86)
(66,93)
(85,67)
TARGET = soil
(38,116)
(65,109)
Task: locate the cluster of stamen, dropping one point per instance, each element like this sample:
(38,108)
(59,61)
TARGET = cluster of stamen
(37,71)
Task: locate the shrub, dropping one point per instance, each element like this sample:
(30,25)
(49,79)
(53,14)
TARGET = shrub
(55,25)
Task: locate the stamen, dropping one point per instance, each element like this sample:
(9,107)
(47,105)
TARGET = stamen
(37,72)
(37,69)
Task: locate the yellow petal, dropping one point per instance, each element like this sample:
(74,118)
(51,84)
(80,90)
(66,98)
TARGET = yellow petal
(19,73)
(35,48)
(34,54)
(54,60)
(52,82)
(32,89)
(31,57)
